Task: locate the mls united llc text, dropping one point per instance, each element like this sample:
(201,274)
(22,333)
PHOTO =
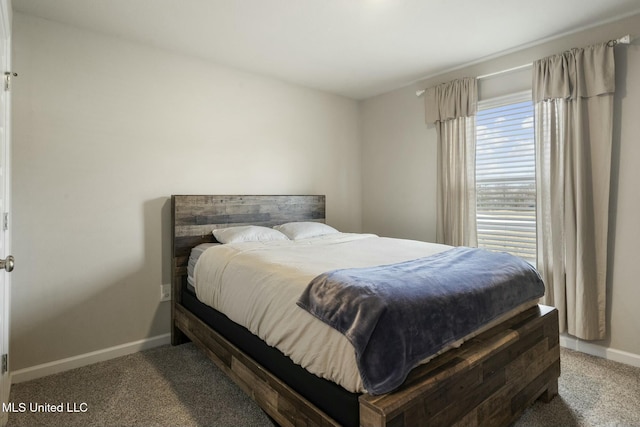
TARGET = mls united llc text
(67,407)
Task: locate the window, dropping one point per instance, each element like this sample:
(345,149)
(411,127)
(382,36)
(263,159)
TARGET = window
(506,176)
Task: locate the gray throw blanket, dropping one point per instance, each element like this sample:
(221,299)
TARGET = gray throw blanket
(397,315)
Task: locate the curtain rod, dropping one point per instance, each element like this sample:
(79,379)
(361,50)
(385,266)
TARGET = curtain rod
(484,76)
(622,40)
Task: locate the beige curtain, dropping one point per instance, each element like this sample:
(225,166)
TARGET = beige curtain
(573,95)
(452,107)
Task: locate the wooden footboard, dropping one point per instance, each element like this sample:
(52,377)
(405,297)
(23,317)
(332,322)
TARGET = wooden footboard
(488,381)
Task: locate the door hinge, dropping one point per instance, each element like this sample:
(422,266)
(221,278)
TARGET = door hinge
(7,79)
(5,221)
(4,363)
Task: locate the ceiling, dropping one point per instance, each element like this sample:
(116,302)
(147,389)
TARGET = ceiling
(356,48)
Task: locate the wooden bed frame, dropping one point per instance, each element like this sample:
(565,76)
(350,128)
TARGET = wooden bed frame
(489,380)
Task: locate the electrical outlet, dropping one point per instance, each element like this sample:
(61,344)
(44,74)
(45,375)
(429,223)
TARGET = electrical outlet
(165,292)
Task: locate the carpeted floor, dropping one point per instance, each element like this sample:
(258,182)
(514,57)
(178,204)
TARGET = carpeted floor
(146,389)
(591,392)
(165,386)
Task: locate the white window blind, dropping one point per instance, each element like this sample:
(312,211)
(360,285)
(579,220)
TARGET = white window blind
(505,176)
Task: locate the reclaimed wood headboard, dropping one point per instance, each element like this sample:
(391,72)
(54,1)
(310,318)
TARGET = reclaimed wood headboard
(193,218)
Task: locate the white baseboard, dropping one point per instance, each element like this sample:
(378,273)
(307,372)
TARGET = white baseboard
(54,367)
(57,366)
(600,351)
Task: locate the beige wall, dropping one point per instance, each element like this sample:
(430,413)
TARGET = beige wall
(399,191)
(398,167)
(104,132)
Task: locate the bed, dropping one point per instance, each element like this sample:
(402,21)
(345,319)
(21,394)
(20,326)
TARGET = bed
(489,380)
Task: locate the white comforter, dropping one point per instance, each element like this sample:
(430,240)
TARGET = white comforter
(257,285)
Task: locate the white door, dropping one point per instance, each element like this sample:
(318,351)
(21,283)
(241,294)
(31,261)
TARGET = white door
(6,261)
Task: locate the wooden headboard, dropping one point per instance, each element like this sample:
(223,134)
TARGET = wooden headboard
(193,218)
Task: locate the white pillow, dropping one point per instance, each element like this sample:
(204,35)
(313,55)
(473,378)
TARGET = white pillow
(304,230)
(247,233)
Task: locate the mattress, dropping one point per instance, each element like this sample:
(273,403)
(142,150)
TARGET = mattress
(257,285)
(194,256)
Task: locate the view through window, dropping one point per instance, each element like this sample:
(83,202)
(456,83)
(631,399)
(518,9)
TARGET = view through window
(506,176)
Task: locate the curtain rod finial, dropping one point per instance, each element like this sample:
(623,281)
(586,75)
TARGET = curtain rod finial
(625,40)
(622,40)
